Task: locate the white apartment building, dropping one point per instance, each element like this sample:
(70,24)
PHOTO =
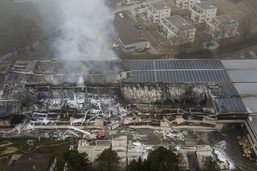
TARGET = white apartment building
(184,4)
(222,27)
(202,12)
(177,30)
(157,11)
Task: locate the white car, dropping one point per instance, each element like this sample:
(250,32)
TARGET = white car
(115,45)
(147,45)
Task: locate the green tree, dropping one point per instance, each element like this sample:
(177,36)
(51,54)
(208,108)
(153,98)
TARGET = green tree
(76,161)
(133,165)
(108,160)
(162,159)
(210,165)
(136,165)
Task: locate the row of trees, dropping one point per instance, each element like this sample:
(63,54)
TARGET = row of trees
(160,159)
(108,160)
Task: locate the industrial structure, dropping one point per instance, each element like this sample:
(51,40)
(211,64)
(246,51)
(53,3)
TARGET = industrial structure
(162,94)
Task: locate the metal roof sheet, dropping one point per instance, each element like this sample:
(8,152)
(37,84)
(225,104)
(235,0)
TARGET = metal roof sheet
(240,64)
(246,89)
(250,104)
(243,76)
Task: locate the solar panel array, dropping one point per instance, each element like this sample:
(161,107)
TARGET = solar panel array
(225,90)
(176,71)
(173,64)
(139,65)
(231,105)
(188,64)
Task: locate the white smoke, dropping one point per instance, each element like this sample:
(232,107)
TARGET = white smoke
(86,30)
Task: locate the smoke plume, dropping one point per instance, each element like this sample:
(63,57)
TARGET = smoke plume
(85,30)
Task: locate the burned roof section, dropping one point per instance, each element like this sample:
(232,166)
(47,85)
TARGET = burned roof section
(208,79)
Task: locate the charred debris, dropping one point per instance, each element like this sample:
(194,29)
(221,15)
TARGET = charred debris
(112,93)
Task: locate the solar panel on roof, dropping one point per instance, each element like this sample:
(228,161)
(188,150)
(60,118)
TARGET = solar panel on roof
(177,71)
(142,77)
(231,105)
(139,65)
(173,64)
(192,76)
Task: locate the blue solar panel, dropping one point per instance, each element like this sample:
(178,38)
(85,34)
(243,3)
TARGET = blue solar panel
(139,65)
(192,76)
(173,64)
(231,105)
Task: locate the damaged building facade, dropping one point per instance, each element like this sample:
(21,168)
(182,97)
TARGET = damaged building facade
(179,93)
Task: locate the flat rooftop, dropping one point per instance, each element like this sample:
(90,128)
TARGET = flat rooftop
(159,5)
(126,29)
(224,19)
(205,5)
(180,22)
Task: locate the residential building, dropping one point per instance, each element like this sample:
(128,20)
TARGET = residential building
(202,12)
(157,11)
(128,35)
(223,27)
(184,4)
(177,30)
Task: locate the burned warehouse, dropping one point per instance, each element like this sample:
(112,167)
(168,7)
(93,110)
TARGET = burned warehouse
(185,92)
